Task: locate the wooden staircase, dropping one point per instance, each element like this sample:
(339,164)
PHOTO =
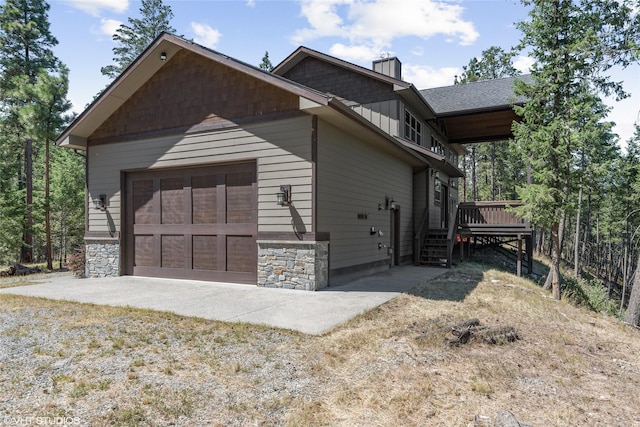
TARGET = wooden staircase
(434,250)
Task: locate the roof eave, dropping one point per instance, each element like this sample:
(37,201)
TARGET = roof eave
(143,68)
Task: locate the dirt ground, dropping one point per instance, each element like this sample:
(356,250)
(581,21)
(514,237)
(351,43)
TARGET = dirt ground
(95,366)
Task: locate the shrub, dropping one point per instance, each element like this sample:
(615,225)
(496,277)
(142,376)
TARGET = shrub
(76,262)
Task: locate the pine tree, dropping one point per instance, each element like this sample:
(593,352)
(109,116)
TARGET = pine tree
(573,43)
(134,38)
(494,173)
(26,61)
(494,63)
(266,64)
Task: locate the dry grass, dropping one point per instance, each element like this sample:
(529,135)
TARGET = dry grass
(390,366)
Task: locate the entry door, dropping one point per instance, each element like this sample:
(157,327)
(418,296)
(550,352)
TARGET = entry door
(395,237)
(196,223)
(444,207)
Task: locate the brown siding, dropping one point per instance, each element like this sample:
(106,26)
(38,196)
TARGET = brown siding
(191,90)
(354,87)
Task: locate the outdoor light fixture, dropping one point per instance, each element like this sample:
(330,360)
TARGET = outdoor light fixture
(163,56)
(100,202)
(283,197)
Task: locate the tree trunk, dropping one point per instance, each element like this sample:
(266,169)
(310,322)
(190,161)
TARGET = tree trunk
(576,238)
(26,254)
(47,209)
(633,310)
(553,279)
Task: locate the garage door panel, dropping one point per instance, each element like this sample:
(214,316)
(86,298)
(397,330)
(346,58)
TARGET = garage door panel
(205,252)
(173,254)
(204,199)
(240,204)
(198,223)
(143,206)
(144,251)
(172,200)
(241,253)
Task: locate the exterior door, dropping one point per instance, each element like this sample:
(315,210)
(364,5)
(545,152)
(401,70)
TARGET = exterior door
(395,237)
(194,223)
(444,207)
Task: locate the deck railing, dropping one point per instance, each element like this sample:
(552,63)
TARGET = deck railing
(491,218)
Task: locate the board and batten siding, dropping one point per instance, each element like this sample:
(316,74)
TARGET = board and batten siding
(384,114)
(282,150)
(353,177)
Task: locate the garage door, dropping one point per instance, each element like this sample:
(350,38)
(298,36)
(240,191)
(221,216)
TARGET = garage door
(197,223)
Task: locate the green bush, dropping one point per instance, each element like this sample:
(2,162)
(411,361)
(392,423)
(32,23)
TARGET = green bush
(591,293)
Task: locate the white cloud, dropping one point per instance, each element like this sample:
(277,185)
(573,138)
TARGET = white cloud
(205,35)
(109,26)
(523,64)
(95,7)
(251,3)
(355,53)
(424,77)
(375,24)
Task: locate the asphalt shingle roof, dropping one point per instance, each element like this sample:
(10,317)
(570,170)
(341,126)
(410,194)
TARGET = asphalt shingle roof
(476,96)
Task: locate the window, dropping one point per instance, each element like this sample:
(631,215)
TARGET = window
(436,146)
(412,128)
(437,191)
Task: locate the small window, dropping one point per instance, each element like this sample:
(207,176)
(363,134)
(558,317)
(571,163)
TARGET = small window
(437,191)
(412,128)
(436,146)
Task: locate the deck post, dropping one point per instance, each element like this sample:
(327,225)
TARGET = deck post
(519,264)
(529,249)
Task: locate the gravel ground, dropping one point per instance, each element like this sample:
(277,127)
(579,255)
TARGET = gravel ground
(73,364)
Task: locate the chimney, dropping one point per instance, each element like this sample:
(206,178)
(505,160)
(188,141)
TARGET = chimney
(391,67)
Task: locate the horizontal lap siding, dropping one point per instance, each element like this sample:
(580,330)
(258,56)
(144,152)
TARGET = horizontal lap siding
(354,178)
(282,149)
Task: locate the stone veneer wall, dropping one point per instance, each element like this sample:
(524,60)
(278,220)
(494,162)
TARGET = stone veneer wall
(293,264)
(102,258)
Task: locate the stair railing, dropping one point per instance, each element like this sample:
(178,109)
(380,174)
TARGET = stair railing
(419,236)
(451,235)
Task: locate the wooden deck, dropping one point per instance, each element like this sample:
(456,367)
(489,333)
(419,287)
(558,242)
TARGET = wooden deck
(495,222)
(491,219)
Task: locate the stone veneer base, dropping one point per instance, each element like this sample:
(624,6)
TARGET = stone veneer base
(102,257)
(293,264)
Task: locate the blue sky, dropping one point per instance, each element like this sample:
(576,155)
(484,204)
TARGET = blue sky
(432,39)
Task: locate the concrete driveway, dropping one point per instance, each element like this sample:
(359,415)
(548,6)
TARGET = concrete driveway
(308,312)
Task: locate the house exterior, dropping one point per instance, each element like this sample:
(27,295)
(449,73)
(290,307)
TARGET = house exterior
(202,167)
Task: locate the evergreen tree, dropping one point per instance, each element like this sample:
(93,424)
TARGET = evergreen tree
(494,63)
(266,64)
(573,43)
(26,63)
(134,38)
(492,168)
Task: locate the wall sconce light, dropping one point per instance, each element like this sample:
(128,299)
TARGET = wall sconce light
(100,202)
(435,173)
(283,197)
(392,205)
(163,56)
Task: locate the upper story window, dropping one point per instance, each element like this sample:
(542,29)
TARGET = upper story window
(436,146)
(412,128)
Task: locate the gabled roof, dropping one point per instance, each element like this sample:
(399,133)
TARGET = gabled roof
(167,45)
(144,67)
(304,52)
(487,95)
(406,90)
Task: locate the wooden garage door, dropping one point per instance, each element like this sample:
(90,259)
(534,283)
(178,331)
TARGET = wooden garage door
(197,223)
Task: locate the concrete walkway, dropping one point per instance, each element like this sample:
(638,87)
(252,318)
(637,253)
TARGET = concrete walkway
(308,312)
